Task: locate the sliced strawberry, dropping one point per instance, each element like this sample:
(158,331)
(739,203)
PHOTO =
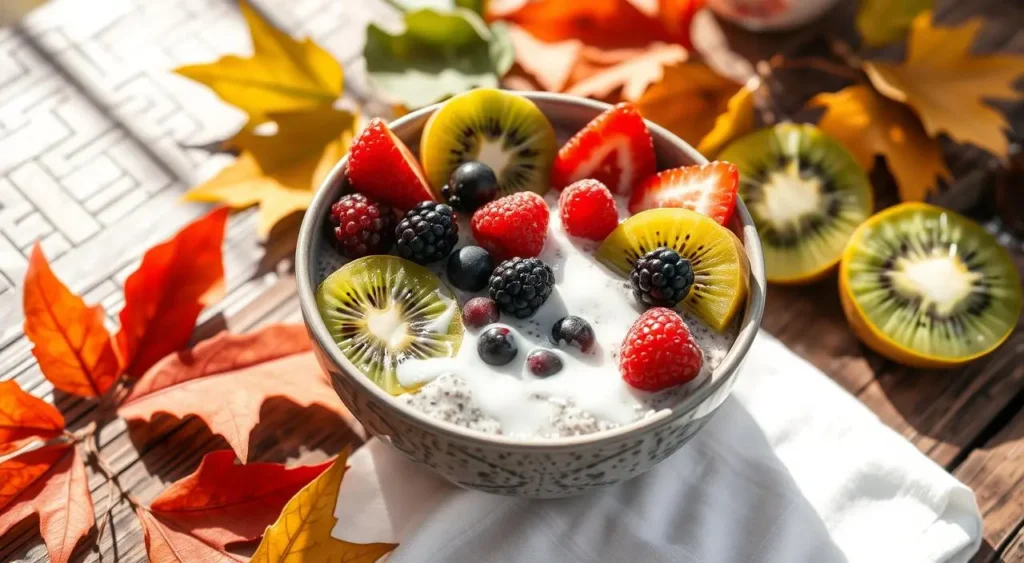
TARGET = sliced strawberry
(382,167)
(709,189)
(615,148)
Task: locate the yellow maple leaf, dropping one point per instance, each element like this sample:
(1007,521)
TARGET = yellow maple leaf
(869,124)
(282,74)
(738,120)
(688,100)
(302,532)
(280,172)
(947,86)
(881,22)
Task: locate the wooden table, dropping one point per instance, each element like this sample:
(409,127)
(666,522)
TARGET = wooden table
(970,420)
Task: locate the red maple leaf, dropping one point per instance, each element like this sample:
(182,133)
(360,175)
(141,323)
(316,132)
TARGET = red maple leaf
(24,418)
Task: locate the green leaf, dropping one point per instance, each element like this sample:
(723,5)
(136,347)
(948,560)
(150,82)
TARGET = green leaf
(881,22)
(438,55)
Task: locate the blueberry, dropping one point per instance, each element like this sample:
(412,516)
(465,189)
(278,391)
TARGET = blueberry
(471,185)
(573,331)
(543,363)
(497,346)
(469,268)
(480,312)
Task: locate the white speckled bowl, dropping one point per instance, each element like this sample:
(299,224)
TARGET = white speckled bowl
(498,464)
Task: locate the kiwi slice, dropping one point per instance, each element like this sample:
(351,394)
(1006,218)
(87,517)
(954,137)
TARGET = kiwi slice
(720,268)
(927,287)
(383,310)
(806,194)
(502,130)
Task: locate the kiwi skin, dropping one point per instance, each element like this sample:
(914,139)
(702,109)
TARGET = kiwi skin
(871,336)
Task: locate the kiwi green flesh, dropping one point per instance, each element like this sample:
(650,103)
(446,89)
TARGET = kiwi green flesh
(805,193)
(935,283)
(383,310)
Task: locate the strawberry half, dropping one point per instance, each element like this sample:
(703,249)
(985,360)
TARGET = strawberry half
(615,149)
(382,167)
(709,189)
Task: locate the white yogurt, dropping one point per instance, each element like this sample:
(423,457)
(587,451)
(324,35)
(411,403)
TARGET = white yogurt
(588,394)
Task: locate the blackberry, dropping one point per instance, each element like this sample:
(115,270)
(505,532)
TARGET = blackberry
(661,278)
(427,233)
(521,285)
(361,226)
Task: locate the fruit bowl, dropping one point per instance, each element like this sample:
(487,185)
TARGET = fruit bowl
(545,468)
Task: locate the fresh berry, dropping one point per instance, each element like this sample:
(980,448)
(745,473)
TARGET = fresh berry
(469,268)
(515,225)
(615,148)
(497,346)
(659,352)
(709,189)
(661,278)
(521,286)
(479,312)
(362,226)
(471,185)
(573,331)
(427,233)
(380,166)
(587,210)
(543,363)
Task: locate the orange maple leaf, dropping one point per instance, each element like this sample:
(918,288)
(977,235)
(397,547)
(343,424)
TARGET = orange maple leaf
(72,346)
(49,482)
(163,298)
(225,380)
(24,418)
(165,544)
(224,503)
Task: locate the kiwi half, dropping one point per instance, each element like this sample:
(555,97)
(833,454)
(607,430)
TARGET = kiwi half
(502,130)
(806,194)
(929,288)
(383,310)
(720,267)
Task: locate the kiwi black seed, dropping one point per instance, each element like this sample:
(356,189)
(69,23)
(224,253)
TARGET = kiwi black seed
(383,310)
(505,131)
(806,194)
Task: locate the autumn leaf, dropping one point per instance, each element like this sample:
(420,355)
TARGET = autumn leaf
(550,63)
(623,73)
(223,502)
(303,531)
(70,342)
(282,74)
(164,296)
(736,121)
(165,544)
(948,87)
(881,22)
(49,482)
(688,100)
(24,418)
(225,380)
(438,54)
(868,124)
(280,172)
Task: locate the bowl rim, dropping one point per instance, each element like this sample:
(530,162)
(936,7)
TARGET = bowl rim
(724,371)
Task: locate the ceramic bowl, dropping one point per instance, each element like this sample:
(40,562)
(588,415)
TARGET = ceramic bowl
(500,464)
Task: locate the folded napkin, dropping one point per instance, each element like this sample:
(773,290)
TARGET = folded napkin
(792,469)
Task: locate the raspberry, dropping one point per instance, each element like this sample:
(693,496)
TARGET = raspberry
(661,278)
(588,210)
(427,233)
(515,225)
(521,285)
(659,352)
(362,226)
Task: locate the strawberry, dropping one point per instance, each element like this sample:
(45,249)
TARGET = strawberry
(587,210)
(380,166)
(615,148)
(515,225)
(709,189)
(659,352)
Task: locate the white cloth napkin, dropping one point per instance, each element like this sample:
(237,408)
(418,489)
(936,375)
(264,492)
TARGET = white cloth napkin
(792,469)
